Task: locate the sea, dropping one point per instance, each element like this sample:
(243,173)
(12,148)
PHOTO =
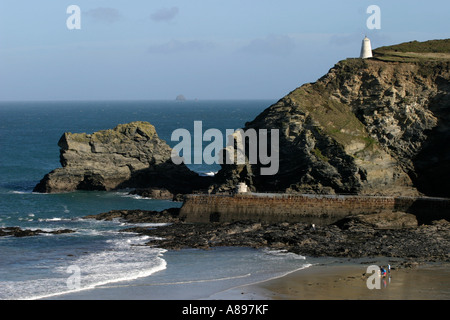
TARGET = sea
(98,261)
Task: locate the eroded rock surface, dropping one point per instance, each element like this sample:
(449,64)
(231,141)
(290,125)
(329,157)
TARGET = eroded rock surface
(128,156)
(376,126)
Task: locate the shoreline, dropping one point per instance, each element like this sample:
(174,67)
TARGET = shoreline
(340,255)
(347,281)
(342,252)
(380,235)
(185,280)
(326,278)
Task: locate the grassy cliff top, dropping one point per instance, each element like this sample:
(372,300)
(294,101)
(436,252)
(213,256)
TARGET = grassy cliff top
(415,51)
(334,118)
(122,132)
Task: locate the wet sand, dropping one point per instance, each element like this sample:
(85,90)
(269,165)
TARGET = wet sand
(348,282)
(337,280)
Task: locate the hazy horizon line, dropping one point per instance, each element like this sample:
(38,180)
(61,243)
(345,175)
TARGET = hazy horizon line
(143,100)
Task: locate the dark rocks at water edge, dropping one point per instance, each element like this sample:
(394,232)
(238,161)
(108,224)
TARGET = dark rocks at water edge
(19,232)
(352,237)
(139,216)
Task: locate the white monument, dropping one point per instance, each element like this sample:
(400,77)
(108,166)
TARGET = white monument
(241,188)
(366,49)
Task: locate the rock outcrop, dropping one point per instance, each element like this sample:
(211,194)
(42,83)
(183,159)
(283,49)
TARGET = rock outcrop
(170,215)
(377,126)
(128,156)
(19,232)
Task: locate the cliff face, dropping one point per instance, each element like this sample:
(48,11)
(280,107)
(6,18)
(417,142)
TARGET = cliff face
(128,156)
(369,126)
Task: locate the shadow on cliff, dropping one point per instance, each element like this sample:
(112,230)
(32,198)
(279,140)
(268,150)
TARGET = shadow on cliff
(432,163)
(328,170)
(154,181)
(177,179)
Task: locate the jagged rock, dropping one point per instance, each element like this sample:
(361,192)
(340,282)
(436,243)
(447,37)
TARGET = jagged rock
(19,232)
(154,193)
(375,126)
(383,220)
(128,156)
(139,216)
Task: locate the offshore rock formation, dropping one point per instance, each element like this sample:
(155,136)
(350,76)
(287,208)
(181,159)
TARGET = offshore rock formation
(377,126)
(128,156)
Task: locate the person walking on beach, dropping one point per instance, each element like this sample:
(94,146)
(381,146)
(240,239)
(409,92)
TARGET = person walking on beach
(383,272)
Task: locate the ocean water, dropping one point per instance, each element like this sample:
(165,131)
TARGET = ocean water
(97,257)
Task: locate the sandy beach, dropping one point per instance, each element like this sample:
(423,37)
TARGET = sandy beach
(326,279)
(348,282)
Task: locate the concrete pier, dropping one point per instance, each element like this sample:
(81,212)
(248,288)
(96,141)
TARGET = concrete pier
(318,209)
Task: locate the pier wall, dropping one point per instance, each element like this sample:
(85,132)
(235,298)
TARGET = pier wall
(318,209)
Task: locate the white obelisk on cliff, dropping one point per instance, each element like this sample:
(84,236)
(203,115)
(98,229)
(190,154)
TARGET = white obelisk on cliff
(366,49)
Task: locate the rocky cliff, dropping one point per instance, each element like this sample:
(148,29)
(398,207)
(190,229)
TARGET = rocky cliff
(128,156)
(369,126)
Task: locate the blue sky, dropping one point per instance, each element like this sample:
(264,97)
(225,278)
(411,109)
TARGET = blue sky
(205,49)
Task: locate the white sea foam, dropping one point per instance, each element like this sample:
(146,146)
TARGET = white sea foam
(124,259)
(20,192)
(94,232)
(25,219)
(146,225)
(26,192)
(138,197)
(52,219)
(208,174)
(132,196)
(45,229)
(282,253)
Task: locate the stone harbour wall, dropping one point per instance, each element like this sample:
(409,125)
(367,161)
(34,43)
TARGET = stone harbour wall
(318,209)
